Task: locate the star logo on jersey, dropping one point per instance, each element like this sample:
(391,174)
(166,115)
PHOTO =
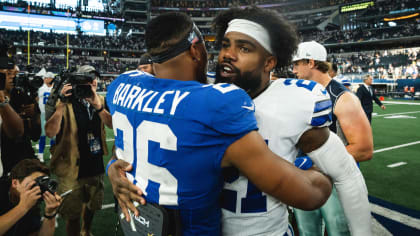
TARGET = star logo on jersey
(251,108)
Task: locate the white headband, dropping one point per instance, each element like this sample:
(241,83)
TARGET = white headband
(253,30)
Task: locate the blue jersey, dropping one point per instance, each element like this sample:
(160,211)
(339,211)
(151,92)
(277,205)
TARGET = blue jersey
(175,134)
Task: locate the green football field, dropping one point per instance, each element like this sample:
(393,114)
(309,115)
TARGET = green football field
(392,175)
(396,133)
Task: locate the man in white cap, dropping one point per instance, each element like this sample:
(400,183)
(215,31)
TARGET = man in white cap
(43,93)
(77,157)
(350,124)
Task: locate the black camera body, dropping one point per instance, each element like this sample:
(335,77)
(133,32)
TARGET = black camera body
(45,183)
(80,89)
(25,89)
(80,86)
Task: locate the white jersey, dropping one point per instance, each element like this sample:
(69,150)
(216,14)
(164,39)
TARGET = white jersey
(284,111)
(43,94)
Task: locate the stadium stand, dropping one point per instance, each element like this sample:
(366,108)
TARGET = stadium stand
(379,37)
(364,38)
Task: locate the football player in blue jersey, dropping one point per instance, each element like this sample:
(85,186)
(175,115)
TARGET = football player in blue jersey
(177,134)
(292,115)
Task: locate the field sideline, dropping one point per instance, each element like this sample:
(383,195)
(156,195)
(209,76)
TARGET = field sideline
(391,176)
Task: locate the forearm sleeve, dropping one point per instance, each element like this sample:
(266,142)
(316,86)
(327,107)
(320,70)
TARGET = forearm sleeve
(334,160)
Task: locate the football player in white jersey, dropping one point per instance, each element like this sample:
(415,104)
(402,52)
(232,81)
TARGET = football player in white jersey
(43,94)
(291,115)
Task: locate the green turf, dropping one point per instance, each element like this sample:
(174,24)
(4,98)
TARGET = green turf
(397,185)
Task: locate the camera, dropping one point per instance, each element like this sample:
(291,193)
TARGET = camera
(79,82)
(45,183)
(80,88)
(25,89)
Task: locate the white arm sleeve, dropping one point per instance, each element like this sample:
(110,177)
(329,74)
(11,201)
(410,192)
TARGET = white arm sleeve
(334,160)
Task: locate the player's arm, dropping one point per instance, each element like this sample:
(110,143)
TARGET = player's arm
(302,189)
(355,126)
(329,154)
(12,124)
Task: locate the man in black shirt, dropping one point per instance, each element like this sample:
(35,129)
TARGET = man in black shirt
(78,124)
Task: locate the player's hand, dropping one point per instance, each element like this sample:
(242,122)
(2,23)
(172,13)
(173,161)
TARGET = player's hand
(125,191)
(66,91)
(383,107)
(52,202)
(29,194)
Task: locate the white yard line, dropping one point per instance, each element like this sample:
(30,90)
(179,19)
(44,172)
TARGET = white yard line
(106,206)
(395,147)
(396,216)
(397,164)
(402,103)
(47,145)
(400,113)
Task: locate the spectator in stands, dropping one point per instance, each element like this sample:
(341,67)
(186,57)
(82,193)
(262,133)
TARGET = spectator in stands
(366,94)
(19,208)
(11,126)
(77,158)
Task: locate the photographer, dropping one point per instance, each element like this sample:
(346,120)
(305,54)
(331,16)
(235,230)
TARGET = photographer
(14,149)
(19,208)
(10,123)
(77,157)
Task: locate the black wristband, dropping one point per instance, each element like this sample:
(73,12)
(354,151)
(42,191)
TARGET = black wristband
(100,109)
(50,217)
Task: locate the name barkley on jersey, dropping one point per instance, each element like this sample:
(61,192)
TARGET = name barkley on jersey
(136,98)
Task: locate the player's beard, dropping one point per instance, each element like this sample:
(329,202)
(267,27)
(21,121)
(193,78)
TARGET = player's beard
(248,80)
